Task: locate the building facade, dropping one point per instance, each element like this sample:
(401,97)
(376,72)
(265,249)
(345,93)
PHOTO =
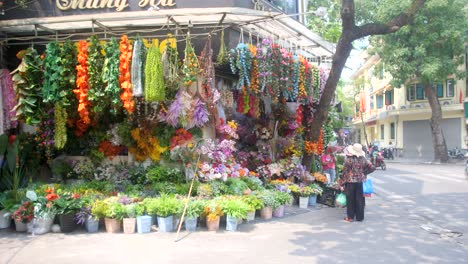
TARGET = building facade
(401,115)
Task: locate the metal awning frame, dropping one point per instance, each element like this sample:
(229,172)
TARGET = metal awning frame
(280,27)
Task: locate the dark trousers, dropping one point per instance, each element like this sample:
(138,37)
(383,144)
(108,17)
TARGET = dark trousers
(355,200)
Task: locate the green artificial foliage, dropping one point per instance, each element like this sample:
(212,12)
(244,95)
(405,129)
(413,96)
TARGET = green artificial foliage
(268,198)
(253,183)
(282,198)
(164,187)
(60,136)
(236,186)
(96,94)
(235,208)
(218,188)
(154,76)
(160,173)
(195,208)
(116,210)
(165,206)
(253,201)
(110,75)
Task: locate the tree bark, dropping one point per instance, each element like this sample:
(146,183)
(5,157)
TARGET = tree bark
(350,33)
(438,139)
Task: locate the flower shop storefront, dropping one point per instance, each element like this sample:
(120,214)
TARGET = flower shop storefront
(124,115)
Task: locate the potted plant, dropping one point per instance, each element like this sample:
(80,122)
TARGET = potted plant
(68,204)
(304,192)
(23,214)
(165,207)
(281,198)
(316,190)
(213,212)
(113,217)
(44,213)
(129,221)
(143,221)
(194,210)
(6,204)
(87,218)
(269,202)
(235,209)
(254,203)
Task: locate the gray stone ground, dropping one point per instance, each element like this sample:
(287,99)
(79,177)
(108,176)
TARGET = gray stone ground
(396,230)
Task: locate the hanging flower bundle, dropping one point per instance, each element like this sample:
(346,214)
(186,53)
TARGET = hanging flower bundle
(302,78)
(9,100)
(315,147)
(243,64)
(200,114)
(125,75)
(316,82)
(263,61)
(154,76)
(50,89)
(96,93)
(285,74)
(170,62)
(191,68)
(110,74)
(67,76)
(274,85)
(137,68)
(223,56)
(293,92)
(254,85)
(27,83)
(82,80)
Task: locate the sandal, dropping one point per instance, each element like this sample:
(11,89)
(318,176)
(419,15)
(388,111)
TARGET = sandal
(349,220)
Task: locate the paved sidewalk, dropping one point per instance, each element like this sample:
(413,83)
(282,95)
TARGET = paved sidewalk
(304,236)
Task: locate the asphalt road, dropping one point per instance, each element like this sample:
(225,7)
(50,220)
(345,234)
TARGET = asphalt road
(419,214)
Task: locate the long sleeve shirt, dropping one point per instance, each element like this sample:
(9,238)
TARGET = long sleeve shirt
(356,169)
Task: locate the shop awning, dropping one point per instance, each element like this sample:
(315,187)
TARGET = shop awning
(279,26)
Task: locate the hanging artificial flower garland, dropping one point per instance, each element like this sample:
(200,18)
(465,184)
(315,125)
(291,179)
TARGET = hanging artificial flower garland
(191,67)
(51,87)
(124,74)
(60,133)
(254,85)
(27,83)
(96,94)
(170,62)
(263,62)
(137,64)
(110,74)
(302,78)
(81,92)
(223,56)
(9,100)
(154,76)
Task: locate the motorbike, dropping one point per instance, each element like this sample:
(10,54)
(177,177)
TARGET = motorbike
(387,153)
(378,160)
(456,153)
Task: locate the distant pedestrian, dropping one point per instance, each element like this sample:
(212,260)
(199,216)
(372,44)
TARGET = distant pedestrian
(355,171)
(391,149)
(328,164)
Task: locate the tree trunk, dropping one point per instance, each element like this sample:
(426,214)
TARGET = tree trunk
(438,139)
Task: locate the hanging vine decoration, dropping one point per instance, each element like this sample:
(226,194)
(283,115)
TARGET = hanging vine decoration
(191,67)
(263,61)
(81,92)
(243,64)
(154,76)
(52,80)
(254,85)
(316,81)
(60,136)
(110,75)
(125,75)
(285,75)
(295,74)
(170,62)
(137,67)
(274,86)
(67,75)
(96,94)
(208,94)
(223,56)
(309,79)
(27,83)
(9,100)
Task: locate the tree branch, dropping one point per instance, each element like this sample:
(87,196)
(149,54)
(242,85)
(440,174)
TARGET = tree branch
(347,15)
(391,26)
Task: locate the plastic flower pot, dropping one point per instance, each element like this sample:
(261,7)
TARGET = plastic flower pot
(165,224)
(313,200)
(67,223)
(42,225)
(20,226)
(213,224)
(251,216)
(231,223)
(4,219)
(143,224)
(92,224)
(112,225)
(191,224)
(266,213)
(279,212)
(303,202)
(129,225)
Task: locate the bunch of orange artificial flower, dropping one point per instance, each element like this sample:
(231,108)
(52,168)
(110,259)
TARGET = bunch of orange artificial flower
(82,89)
(124,77)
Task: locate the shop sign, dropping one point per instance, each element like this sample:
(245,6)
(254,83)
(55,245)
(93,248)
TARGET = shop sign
(118,5)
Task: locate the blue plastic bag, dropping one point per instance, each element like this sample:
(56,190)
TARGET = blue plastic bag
(367,187)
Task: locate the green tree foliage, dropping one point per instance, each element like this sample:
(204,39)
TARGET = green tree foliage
(329,26)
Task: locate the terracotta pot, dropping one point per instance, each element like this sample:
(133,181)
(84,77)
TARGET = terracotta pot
(112,225)
(213,224)
(279,212)
(266,213)
(129,225)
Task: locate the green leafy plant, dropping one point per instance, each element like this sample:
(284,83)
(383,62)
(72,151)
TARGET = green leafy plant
(204,190)
(253,183)
(130,211)
(99,208)
(116,210)
(213,209)
(158,173)
(137,175)
(268,198)
(235,208)
(140,209)
(218,187)
(316,189)
(164,187)
(96,92)
(253,201)
(195,208)
(282,198)
(68,203)
(164,206)
(60,168)
(236,186)
(154,76)
(110,75)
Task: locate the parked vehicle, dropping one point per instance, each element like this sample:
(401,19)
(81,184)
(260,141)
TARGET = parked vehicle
(457,153)
(387,153)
